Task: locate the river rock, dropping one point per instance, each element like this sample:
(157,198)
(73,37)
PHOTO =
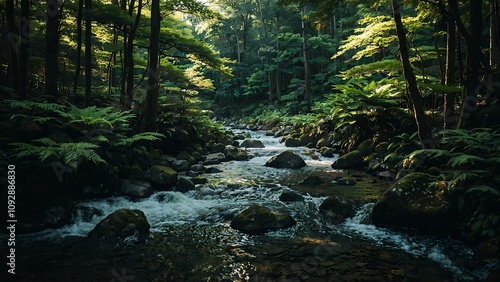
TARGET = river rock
(292,142)
(252,143)
(199,180)
(162,177)
(233,153)
(324,142)
(286,159)
(258,219)
(198,168)
(217,148)
(414,201)
(216,158)
(136,188)
(326,152)
(349,160)
(122,225)
(291,196)
(311,180)
(337,209)
(180,165)
(184,184)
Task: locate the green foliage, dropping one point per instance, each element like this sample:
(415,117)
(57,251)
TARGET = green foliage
(473,158)
(47,150)
(97,117)
(386,67)
(143,136)
(360,109)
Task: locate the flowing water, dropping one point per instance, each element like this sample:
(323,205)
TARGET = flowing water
(191,239)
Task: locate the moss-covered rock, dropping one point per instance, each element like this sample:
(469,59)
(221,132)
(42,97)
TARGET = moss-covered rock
(311,180)
(162,177)
(136,188)
(291,196)
(292,142)
(123,225)
(286,159)
(366,147)
(350,160)
(415,201)
(337,209)
(252,143)
(258,219)
(234,153)
(184,184)
(216,158)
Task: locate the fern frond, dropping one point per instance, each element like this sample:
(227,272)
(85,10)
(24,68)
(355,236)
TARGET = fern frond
(144,136)
(433,153)
(459,159)
(484,189)
(31,105)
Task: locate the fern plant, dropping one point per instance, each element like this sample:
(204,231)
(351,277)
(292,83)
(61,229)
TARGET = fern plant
(473,159)
(47,150)
(361,109)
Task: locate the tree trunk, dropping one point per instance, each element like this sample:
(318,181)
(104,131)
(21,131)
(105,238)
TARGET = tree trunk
(88,53)
(494,34)
(472,62)
(148,119)
(307,70)
(129,56)
(51,48)
(13,38)
(78,67)
(424,130)
(449,79)
(24,49)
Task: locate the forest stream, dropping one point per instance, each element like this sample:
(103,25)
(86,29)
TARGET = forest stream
(191,238)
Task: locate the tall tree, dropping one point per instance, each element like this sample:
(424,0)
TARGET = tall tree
(88,51)
(473,60)
(24,49)
(148,118)
(127,94)
(307,70)
(494,34)
(449,103)
(424,130)
(51,47)
(78,67)
(13,41)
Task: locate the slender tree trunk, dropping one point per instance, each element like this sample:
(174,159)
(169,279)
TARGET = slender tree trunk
(24,49)
(473,62)
(51,48)
(278,69)
(148,119)
(424,130)
(123,59)
(494,34)
(13,39)
(307,70)
(130,56)
(449,102)
(88,53)
(78,67)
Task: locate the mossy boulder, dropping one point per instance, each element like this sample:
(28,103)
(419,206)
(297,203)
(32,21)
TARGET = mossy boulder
(234,153)
(216,158)
(122,226)
(337,209)
(180,165)
(311,180)
(286,159)
(292,142)
(350,160)
(252,143)
(258,219)
(184,184)
(162,177)
(415,201)
(366,147)
(291,196)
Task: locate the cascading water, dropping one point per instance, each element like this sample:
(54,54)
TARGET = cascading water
(242,183)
